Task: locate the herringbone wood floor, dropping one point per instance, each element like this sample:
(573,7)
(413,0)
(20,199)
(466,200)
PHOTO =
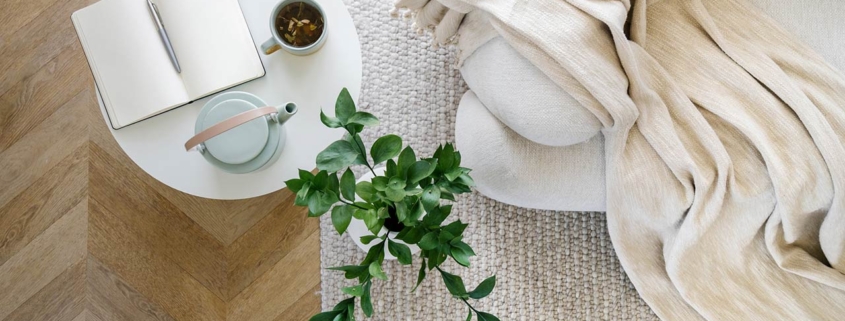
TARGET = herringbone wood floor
(87,235)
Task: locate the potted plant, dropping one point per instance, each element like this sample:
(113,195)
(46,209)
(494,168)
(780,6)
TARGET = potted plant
(400,206)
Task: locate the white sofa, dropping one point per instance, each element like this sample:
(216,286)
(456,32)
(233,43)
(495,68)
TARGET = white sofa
(532,145)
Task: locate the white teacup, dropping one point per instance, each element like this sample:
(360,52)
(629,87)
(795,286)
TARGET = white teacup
(276,42)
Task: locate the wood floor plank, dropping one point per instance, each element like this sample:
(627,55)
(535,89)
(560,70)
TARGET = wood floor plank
(29,102)
(275,291)
(111,298)
(44,202)
(148,271)
(210,214)
(18,13)
(40,41)
(244,214)
(267,242)
(86,316)
(51,253)
(42,148)
(61,300)
(156,221)
(303,309)
(83,316)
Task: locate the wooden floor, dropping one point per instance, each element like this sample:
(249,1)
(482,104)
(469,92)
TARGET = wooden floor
(85,234)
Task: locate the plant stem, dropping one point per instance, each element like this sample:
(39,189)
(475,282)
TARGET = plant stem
(363,152)
(469,305)
(353,204)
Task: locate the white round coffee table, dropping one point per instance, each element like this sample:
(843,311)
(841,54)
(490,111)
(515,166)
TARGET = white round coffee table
(313,82)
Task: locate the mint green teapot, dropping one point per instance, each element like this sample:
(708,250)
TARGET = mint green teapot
(238,133)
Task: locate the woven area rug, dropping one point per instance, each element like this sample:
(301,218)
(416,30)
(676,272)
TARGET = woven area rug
(549,265)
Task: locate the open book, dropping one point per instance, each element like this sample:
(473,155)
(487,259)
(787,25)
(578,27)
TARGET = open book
(131,66)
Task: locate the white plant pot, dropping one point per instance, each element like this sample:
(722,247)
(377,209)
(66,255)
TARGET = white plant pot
(357,228)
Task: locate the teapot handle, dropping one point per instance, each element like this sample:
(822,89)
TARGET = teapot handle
(228,124)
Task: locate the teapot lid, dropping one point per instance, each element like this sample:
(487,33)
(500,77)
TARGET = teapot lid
(240,144)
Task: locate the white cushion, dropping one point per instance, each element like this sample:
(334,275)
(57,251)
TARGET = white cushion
(514,170)
(524,99)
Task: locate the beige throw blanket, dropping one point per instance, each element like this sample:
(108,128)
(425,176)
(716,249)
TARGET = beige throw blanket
(724,145)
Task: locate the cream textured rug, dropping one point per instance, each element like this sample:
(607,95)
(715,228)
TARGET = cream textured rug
(550,265)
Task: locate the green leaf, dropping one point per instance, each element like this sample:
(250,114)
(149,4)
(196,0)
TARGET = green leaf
(333,184)
(373,255)
(302,195)
(306,175)
(447,196)
(469,316)
(486,317)
(325,316)
(364,118)
(341,217)
(382,212)
(437,215)
(465,180)
(400,251)
(420,276)
(380,183)
(452,174)
(352,271)
(419,170)
(390,169)
(356,291)
(413,236)
(456,228)
(345,305)
(428,241)
(321,202)
(330,122)
(401,211)
(484,288)
(454,284)
(366,239)
(371,219)
(354,128)
(416,212)
(338,155)
(350,312)
(366,191)
(366,303)
(294,185)
(386,147)
(460,256)
(445,237)
(446,158)
(396,183)
(376,272)
(430,197)
(359,213)
(358,145)
(347,185)
(321,180)
(463,246)
(344,106)
(406,159)
(395,195)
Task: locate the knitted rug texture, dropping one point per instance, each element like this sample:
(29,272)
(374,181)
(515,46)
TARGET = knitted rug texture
(549,265)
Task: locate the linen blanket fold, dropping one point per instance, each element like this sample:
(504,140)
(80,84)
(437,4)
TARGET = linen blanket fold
(724,144)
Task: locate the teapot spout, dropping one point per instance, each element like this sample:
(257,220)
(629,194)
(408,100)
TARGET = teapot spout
(286,111)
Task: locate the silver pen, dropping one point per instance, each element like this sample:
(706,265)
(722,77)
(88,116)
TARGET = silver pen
(163,33)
